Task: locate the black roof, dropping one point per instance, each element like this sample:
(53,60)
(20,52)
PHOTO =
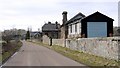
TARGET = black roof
(76,17)
(50,27)
(98,14)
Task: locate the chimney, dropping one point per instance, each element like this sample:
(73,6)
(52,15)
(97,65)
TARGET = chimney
(56,23)
(49,22)
(64,17)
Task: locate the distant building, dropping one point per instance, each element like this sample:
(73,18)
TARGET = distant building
(51,30)
(36,35)
(116,31)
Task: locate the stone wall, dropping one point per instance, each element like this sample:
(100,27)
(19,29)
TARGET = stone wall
(46,39)
(104,47)
(58,42)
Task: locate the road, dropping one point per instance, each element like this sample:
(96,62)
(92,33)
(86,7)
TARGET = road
(35,55)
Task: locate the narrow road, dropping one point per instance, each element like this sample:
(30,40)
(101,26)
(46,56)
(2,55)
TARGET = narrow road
(34,55)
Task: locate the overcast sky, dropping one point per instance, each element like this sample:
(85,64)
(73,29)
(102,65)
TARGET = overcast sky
(22,14)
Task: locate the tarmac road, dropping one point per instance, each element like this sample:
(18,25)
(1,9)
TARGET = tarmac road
(32,54)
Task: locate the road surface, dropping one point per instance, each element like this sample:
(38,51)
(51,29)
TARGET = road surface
(34,55)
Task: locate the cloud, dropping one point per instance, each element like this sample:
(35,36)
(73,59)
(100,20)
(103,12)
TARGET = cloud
(89,1)
(28,7)
(25,13)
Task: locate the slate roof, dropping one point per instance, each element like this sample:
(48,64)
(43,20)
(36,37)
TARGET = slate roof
(35,33)
(76,17)
(50,27)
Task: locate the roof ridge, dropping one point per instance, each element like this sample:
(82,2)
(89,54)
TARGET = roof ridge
(81,14)
(99,13)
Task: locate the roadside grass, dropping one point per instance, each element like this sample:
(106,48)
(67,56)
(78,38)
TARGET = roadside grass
(84,58)
(7,54)
(0,58)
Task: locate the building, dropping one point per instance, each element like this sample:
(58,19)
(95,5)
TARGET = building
(116,31)
(36,35)
(51,30)
(74,26)
(97,25)
(94,25)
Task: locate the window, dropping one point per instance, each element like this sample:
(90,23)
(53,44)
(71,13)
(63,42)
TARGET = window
(76,27)
(70,28)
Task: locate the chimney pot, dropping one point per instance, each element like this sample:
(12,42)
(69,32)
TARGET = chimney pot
(64,17)
(64,12)
(49,22)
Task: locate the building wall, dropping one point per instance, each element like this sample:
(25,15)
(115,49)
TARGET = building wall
(97,17)
(75,33)
(52,34)
(109,28)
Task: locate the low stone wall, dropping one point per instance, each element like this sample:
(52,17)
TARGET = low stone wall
(58,42)
(46,39)
(104,47)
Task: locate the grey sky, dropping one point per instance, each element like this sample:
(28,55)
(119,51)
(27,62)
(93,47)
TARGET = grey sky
(34,13)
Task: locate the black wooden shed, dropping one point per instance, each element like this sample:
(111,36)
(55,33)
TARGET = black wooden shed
(97,25)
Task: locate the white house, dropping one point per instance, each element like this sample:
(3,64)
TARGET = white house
(74,26)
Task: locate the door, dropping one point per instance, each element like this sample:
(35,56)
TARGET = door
(97,29)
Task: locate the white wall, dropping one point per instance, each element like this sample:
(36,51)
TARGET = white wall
(79,28)
(73,28)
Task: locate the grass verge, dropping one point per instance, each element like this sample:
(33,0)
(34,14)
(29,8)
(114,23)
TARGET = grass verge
(84,58)
(7,54)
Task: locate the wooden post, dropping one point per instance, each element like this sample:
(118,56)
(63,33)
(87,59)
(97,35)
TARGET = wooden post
(50,41)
